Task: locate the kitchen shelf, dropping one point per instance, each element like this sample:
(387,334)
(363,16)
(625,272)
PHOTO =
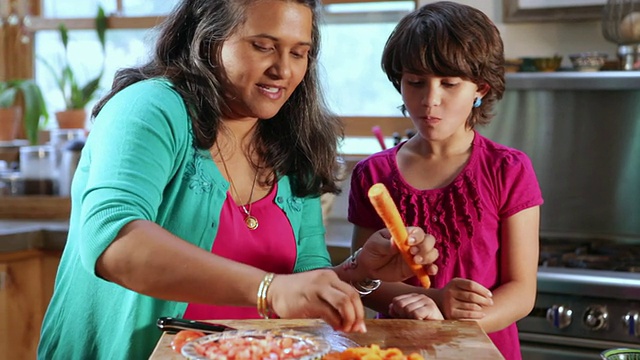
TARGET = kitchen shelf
(574,80)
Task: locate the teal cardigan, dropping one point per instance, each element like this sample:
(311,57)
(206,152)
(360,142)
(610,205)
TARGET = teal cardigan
(140,162)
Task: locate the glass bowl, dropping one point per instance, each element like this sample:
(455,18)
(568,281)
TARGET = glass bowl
(620,354)
(547,64)
(289,344)
(588,61)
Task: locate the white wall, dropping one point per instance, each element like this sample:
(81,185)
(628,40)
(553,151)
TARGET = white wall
(544,38)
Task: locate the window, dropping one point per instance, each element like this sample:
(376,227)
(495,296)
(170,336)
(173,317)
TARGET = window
(353,36)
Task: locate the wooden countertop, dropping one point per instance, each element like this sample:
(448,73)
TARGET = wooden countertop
(433,339)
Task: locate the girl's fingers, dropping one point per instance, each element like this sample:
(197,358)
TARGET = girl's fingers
(415,306)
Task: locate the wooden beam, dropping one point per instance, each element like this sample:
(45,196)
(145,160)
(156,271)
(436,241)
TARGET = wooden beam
(113,22)
(35,207)
(361,126)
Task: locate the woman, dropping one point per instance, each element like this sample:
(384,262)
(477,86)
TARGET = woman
(200,180)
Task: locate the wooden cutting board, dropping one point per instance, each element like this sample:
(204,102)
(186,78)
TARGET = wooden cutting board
(433,339)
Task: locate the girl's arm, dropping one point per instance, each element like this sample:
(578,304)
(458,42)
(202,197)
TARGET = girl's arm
(515,298)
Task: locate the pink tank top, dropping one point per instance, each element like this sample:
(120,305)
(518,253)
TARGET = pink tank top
(271,247)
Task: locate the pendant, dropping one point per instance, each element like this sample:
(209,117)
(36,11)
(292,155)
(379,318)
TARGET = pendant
(252,222)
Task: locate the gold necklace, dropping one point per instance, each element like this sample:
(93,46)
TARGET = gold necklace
(249,220)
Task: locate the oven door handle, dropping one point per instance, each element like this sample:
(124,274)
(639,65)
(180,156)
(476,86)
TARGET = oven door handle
(572,341)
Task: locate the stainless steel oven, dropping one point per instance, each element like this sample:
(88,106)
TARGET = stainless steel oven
(584,306)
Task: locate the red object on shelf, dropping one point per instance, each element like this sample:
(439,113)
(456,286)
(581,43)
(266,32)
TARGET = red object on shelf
(378,133)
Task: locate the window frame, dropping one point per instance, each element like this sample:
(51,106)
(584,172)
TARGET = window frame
(21,62)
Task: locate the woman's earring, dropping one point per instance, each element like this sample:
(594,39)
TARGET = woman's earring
(477,102)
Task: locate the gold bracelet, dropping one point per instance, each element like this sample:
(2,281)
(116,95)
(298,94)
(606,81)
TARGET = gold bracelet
(264,310)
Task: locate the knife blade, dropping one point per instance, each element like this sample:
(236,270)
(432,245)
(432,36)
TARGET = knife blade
(176,324)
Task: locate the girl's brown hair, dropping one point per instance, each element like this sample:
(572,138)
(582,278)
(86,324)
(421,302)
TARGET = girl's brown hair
(449,39)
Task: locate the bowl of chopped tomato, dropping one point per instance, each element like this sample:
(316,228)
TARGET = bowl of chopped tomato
(257,344)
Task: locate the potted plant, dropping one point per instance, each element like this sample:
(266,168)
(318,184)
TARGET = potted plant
(11,115)
(76,96)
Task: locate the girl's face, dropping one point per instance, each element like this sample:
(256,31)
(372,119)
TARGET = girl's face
(438,106)
(266,59)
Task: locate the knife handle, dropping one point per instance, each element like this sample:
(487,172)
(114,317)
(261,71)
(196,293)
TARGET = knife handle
(177,324)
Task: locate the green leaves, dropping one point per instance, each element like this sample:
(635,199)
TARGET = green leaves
(77,96)
(34,105)
(101,26)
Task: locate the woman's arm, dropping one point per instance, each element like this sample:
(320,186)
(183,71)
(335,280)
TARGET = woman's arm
(147,259)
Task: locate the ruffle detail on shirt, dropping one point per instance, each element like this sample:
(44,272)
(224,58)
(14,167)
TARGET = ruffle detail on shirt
(446,213)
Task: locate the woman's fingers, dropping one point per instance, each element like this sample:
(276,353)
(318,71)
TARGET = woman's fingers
(345,302)
(318,294)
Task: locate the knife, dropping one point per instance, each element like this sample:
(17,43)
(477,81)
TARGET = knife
(177,324)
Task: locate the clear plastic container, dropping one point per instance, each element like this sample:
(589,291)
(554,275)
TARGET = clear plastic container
(38,168)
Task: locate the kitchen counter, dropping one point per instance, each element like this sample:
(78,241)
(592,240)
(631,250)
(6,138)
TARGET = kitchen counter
(21,235)
(574,80)
(433,339)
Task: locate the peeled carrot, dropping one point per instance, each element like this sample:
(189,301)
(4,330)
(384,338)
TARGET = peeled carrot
(388,212)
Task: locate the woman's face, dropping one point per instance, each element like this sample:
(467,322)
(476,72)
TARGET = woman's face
(438,106)
(266,59)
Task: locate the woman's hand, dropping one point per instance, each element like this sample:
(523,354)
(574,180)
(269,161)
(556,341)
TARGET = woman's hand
(317,294)
(465,299)
(414,306)
(382,258)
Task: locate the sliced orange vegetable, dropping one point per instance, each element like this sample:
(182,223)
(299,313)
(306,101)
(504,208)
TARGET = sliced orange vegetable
(388,212)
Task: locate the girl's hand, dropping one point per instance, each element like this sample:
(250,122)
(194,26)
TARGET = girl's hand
(414,306)
(317,294)
(382,259)
(465,299)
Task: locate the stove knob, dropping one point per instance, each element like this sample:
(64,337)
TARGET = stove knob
(559,316)
(631,322)
(595,318)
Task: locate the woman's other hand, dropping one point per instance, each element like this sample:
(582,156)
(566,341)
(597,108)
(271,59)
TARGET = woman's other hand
(465,299)
(382,258)
(317,294)
(414,306)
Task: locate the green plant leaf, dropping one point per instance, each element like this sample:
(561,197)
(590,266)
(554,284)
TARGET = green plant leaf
(33,109)
(60,81)
(88,91)
(101,27)
(77,96)
(7,97)
(64,35)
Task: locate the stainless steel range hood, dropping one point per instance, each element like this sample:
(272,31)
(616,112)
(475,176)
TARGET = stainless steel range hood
(582,133)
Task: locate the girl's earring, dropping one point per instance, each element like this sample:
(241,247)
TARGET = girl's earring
(477,102)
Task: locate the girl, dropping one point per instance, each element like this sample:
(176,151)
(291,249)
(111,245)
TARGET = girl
(479,199)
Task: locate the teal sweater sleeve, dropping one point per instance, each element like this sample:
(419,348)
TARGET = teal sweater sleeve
(132,155)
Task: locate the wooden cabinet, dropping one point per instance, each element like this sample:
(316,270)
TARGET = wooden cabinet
(26,285)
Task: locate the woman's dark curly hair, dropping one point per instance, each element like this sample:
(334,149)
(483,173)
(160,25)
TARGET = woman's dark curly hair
(300,140)
(449,39)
